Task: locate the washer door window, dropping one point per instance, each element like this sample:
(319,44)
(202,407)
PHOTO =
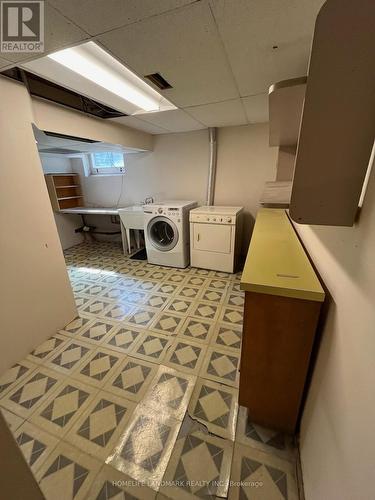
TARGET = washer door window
(162,233)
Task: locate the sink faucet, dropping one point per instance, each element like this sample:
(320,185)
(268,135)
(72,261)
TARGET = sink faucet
(149,200)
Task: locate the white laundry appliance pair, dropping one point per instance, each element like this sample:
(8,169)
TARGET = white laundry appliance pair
(166,227)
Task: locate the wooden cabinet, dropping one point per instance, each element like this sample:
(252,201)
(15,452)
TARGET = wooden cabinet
(283,297)
(64,191)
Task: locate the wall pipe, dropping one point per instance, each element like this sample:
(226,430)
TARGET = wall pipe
(212,166)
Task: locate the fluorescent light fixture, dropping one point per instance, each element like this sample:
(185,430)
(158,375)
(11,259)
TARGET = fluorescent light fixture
(94,64)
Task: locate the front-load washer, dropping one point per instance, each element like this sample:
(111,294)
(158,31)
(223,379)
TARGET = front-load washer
(167,232)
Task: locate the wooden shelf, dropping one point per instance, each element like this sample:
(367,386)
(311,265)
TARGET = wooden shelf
(69,198)
(64,191)
(285,111)
(277,193)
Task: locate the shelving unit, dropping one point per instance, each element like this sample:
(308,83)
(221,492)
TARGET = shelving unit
(64,191)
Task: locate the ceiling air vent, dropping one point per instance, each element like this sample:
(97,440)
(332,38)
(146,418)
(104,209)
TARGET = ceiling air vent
(69,137)
(159,81)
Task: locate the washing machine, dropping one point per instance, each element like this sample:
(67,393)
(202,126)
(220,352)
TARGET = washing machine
(215,237)
(167,232)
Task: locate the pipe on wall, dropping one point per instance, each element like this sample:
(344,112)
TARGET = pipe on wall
(212,137)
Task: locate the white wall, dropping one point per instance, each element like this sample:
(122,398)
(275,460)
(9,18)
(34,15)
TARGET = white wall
(36,298)
(178,169)
(245,163)
(66,224)
(337,434)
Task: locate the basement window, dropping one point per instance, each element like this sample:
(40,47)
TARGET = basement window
(107,162)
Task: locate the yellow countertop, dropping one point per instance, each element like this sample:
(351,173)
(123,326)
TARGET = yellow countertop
(276,262)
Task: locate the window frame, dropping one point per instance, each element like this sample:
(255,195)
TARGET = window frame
(94,170)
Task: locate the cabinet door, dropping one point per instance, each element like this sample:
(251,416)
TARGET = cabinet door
(212,238)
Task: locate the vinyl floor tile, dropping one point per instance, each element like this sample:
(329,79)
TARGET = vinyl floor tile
(196,329)
(141,317)
(185,355)
(35,444)
(13,420)
(222,366)
(170,392)
(167,323)
(26,396)
(261,476)
(205,310)
(75,326)
(216,406)
(63,406)
(231,315)
(72,355)
(227,337)
(132,378)
(67,473)
(113,484)
(98,367)
(268,440)
(123,338)
(144,449)
(98,428)
(199,466)
(167,288)
(97,331)
(48,348)
(151,347)
(14,375)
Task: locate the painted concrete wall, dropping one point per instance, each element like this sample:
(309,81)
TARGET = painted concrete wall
(36,298)
(245,163)
(337,436)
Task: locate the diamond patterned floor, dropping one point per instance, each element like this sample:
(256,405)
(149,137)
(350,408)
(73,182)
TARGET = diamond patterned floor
(142,388)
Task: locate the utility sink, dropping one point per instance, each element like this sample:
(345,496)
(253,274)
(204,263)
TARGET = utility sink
(132,217)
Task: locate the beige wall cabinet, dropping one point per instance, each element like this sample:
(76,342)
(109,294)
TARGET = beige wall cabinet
(338,123)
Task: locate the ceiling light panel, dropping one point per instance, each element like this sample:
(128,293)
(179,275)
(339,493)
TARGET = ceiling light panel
(90,70)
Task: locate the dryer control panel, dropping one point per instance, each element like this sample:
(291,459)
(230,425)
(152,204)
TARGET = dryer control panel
(212,218)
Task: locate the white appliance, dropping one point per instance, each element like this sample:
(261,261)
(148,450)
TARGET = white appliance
(215,237)
(167,232)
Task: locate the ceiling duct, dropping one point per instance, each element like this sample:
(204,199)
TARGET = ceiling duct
(40,87)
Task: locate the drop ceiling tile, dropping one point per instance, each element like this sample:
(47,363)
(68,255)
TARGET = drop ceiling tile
(175,120)
(58,33)
(98,16)
(219,114)
(131,121)
(256,108)
(250,30)
(184,46)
